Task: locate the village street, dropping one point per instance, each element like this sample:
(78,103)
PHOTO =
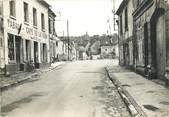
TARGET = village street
(76,89)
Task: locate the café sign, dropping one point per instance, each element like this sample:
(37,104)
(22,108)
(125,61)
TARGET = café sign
(28,30)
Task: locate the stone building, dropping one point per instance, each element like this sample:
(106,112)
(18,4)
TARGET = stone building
(150,24)
(25,35)
(151,37)
(52,36)
(107,48)
(125,31)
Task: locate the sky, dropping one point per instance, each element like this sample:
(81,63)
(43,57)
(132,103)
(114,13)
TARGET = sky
(83,16)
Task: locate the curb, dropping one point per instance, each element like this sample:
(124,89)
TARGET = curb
(134,109)
(6,87)
(20,81)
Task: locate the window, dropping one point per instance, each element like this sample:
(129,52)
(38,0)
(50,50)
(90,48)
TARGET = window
(34,17)
(50,26)
(121,25)
(54,27)
(56,44)
(11,55)
(12,8)
(126,19)
(0,7)
(26,12)
(42,21)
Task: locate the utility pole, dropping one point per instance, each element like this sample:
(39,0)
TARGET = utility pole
(114,15)
(68,40)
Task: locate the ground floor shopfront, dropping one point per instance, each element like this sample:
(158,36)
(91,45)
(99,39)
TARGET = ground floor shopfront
(22,52)
(23,46)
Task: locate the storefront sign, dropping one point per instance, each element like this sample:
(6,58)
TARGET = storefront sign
(28,30)
(36,33)
(12,24)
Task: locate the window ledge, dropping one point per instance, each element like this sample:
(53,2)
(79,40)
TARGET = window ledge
(26,23)
(35,27)
(13,17)
(12,62)
(43,30)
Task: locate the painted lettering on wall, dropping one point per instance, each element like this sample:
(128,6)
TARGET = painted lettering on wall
(36,33)
(12,24)
(28,30)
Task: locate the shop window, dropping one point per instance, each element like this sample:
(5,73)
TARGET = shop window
(26,12)
(34,17)
(12,8)
(11,54)
(42,21)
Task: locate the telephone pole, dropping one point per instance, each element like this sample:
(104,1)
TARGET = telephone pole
(68,40)
(114,15)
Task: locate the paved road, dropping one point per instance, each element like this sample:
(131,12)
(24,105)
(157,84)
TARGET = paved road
(77,89)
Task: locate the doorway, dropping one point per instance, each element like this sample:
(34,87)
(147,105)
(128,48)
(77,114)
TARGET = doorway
(146,51)
(36,54)
(160,47)
(18,50)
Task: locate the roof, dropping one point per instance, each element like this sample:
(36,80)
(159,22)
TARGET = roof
(51,12)
(122,6)
(43,2)
(105,42)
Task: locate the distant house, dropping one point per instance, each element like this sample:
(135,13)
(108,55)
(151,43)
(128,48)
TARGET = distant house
(108,48)
(82,49)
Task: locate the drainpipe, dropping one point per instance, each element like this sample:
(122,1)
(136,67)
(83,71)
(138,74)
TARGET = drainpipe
(3,40)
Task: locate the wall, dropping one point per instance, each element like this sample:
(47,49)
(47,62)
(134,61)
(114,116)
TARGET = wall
(28,31)
(140,21)
(125,39)
(1,38)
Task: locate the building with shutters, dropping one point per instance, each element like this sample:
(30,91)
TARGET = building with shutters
(149,26)
(24,35)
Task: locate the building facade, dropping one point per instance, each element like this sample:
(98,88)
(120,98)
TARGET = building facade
(151,34)
(25,35)
(125,31)
(1,39)
(53,37)
(150,29)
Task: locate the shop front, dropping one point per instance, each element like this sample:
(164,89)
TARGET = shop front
(26,46)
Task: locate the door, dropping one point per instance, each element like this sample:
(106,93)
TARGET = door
(146,44)
(160,47)
(36,54)
(18,50)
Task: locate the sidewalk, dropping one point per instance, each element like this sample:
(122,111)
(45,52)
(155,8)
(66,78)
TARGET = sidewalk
(145,95)
(20,77)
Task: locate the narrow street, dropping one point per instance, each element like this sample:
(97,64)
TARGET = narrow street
(76,89)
